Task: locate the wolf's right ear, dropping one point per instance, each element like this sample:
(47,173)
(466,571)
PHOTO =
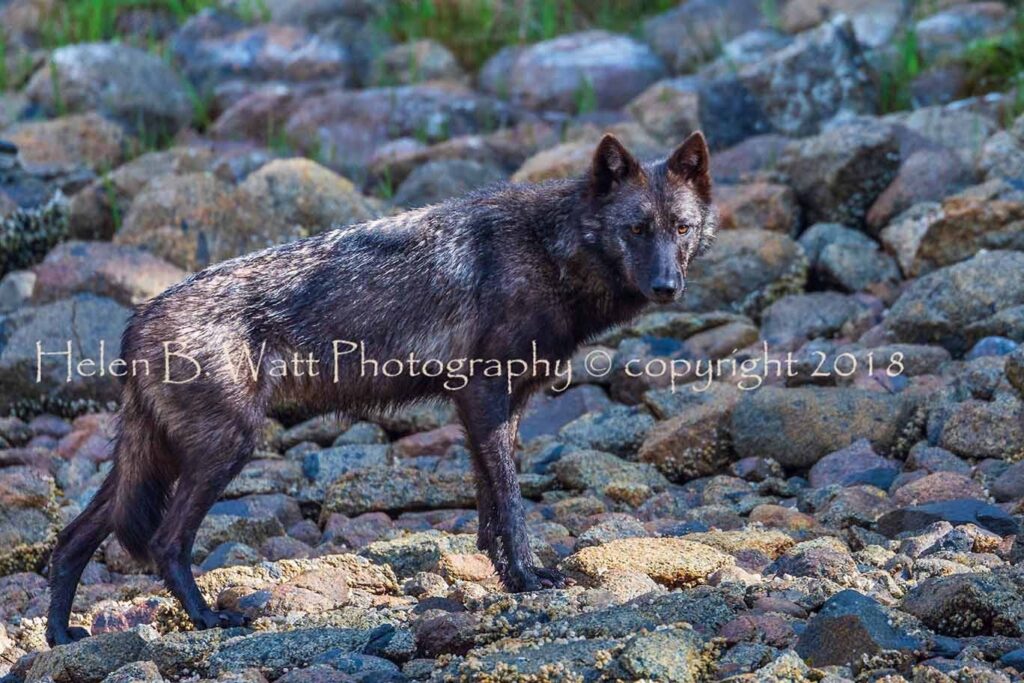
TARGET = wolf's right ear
(612,165)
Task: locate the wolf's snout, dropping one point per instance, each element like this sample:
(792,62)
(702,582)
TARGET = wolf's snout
(666,288)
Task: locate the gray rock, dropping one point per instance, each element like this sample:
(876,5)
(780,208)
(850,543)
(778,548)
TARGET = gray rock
(693,32)
(435,181)
(849,626)
(330,464)
(415,62)
(16,289)
(80,323)
(963,511)
(847,259)
(92,659)
(132,86)
(947,33)
(619,430)
(571,72)
(807,316)
(136,672)
(594,470)
(397,489)
(838,174)
(799,426)
(942,307)
(745,271)
(968,605)
(818,77)
(274,653)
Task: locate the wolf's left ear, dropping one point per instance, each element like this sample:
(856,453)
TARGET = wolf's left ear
(612,165)
(690,161)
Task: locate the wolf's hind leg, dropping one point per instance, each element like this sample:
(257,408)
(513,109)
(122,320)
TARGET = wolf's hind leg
(75,547)
(198,489)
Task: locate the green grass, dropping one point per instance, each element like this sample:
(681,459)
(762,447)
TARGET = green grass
(896,77)
(997,63)
(475,29)
(83,21)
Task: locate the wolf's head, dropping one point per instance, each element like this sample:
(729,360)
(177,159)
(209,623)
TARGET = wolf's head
(649,221)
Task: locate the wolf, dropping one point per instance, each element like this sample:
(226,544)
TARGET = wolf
(502,273)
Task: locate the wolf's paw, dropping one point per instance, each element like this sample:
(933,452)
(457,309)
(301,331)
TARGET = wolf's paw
(72,634)
(220,619)
(535,579)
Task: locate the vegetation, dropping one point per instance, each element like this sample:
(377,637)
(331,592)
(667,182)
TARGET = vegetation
(475,29)
(80,21)
(895,77)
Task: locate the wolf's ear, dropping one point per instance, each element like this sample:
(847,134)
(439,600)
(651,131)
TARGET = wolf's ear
(612,166)
(690,161)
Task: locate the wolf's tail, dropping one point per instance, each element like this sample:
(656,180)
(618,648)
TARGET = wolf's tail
(145,470)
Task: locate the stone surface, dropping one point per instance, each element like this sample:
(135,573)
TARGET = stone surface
(134,87)
(669,561)
(565,73)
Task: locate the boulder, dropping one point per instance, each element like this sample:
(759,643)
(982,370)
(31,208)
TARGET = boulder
(134,87)
(672,562)
(799,426)
(945,306)
(577,71)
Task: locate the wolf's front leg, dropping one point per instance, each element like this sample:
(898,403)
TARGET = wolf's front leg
(491,426)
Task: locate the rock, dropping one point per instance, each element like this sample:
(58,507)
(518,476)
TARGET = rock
(942,307)
(1015,369)
(856,464)
(676,654)
(930,236)
(768,206)
(300,191)
(92,659)
(927,175)
(347,128)
(136,672)
(261,53)
(96,210)
(230,554)
(415,62)
(398,489)
(546,414)
(749,157)
(669,109)
(838,174)
(16,290)
(985,429)
(322,430)
(692,33)
(768,542)
(695,443)
(967,605)
(818,77)
(875,22)
(573,157)
(936,487)
(193,220)
(847,259)
(573,72)
(437,181)
(807,316)
(274,653)
(962,511)
(745,271)
(218,529)
(669,561)
(946,33)
(127,275)
(1002,156)
(330,464)
(420,552)
(799,426)
(850,626)
(619,430)
(594,470)
(133,87)
(81,323)
(73,145)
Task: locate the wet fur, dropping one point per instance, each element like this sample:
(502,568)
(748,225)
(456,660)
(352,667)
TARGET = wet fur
(483,276)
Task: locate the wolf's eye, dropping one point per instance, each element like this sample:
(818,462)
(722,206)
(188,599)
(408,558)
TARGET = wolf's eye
(637,229)
(683,229)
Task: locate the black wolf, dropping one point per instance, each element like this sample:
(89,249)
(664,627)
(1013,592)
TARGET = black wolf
(492,276)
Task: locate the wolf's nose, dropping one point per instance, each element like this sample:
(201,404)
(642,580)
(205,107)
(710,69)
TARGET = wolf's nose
(665,287)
